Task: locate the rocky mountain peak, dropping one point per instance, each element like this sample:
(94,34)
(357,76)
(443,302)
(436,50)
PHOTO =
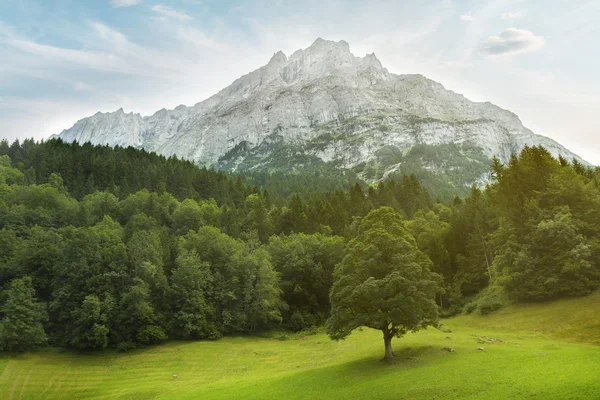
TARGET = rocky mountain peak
(278,58)
(324,105)
(325,58)
(322,46)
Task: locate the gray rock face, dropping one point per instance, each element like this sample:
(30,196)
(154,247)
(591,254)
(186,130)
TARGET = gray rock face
(326,102)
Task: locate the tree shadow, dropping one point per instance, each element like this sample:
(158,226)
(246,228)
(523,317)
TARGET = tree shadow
(343,380)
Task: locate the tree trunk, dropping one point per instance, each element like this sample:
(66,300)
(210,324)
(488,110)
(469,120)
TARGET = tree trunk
(387,340)
(487,261)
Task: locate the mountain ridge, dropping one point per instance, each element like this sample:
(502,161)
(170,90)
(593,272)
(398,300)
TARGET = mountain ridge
(327,106)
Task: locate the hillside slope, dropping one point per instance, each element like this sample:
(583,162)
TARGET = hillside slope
(575,320)
(516,364)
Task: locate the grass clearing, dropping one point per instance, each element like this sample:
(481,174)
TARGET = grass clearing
(575,320)
(522,363)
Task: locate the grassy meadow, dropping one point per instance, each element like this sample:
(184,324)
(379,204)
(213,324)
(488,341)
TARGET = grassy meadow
(541,351)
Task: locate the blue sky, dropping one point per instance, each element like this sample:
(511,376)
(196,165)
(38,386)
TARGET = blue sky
(62,60)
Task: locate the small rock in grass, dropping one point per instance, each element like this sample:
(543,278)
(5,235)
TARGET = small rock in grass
(449,349)
(480,349)
(448,337)
(175,376)
(244,367)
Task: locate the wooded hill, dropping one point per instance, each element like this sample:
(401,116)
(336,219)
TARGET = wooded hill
(119,247)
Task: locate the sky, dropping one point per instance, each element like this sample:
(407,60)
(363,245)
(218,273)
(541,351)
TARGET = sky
(63,60)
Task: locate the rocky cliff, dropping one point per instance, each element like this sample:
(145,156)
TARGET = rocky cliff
(324,106)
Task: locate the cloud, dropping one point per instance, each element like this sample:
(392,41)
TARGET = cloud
(115,38)
(92,59)
(79,86)
(513,15)
(466,17)
(197,38)
(125,3)
(110,51)
(168,12)
(512,41)
(454,64)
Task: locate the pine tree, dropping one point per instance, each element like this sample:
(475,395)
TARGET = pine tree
(497,168)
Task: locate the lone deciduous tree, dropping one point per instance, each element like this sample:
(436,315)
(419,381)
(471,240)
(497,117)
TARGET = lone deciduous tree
(384,282)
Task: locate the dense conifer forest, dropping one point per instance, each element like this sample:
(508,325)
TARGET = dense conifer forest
(119,247)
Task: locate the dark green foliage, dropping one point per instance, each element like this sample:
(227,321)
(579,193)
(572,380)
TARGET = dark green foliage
(231,287)
(21,327)
(547,242)
(285,184)
(384,282)
(157,248)
(120,171)
(296,322)
(489,300)
(8,174)
(432,232)
(455,168)
(258,219)
(306,263)
(137,320)
(91,323)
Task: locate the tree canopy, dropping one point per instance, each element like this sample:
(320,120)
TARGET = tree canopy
(103,247)
(384,282)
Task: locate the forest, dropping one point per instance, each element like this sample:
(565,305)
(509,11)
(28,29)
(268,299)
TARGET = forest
(103,247)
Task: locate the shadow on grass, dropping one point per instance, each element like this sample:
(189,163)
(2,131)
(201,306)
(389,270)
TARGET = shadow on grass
(355,379)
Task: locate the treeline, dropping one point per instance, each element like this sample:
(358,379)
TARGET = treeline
(87,265)
(106,272)
(85,168)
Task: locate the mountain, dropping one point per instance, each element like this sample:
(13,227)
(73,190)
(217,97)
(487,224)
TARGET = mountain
(324,110)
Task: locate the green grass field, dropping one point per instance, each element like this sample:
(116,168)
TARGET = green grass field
(544,351)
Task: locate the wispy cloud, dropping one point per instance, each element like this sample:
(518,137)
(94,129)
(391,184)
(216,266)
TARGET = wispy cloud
(512,41)
(92,59)
(514,15)
(454,64)
(466,17)
(111,52)
(168,12)
(197,38)
(124,3)
(79,86)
